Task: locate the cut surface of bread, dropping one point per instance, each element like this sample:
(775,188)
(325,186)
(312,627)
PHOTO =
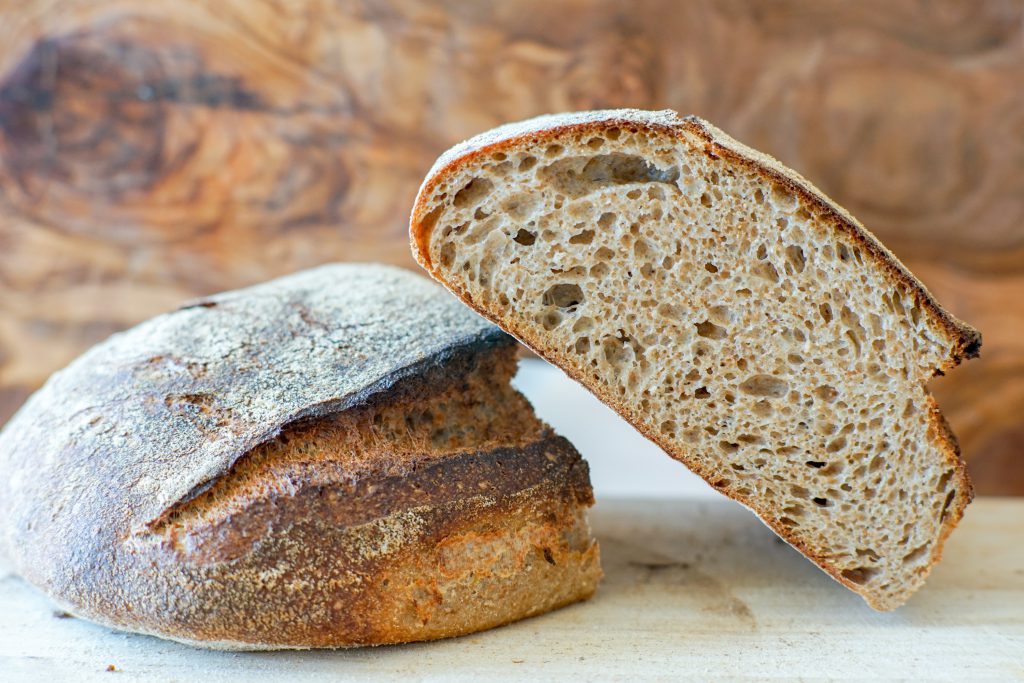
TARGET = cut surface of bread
(331,459)
(730,311)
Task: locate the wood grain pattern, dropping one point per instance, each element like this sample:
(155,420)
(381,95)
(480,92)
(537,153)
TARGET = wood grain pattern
(152,152)
(693,590)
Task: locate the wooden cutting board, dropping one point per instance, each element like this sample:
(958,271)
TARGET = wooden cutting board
(695,588)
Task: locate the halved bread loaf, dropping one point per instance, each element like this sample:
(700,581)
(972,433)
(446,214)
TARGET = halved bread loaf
(730,311)
(334,458)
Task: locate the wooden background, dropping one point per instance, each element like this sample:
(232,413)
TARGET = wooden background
(155,151)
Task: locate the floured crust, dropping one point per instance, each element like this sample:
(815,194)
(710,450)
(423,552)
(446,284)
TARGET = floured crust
(196,477)
(529,134)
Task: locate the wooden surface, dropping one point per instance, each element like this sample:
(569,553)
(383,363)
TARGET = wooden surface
(155,151)
(694,589)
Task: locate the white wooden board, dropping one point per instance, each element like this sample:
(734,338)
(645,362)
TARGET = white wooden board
(695,588)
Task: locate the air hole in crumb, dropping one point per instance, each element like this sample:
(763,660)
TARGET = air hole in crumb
(821,502)
(670,311)
(525,237)
(705,200)
(711,331)
(834,468)
(583,324)
(766,271)
(945,506)
(836,445)
(595,143)
(526,163)
(553,150)
(551,320)
(826,393)
(720,315)
(915,555)
(520,206)
(817,464)
(447,254)
(859,575)
(764,385)
(585,237)
(607,220)
(701,392)
(473,193)
(582,345)
(563,296)
(795,257)
(711,267)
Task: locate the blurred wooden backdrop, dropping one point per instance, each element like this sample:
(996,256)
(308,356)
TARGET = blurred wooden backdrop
(155,151)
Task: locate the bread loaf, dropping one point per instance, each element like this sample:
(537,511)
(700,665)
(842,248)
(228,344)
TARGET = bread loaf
(334,458)
(730,311)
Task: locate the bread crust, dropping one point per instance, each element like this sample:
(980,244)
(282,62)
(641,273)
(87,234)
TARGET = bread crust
(691,130)
(96,464)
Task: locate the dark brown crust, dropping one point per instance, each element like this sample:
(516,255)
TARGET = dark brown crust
(421,387)
(441,484)
(693,131)
(149,420)
(210,588)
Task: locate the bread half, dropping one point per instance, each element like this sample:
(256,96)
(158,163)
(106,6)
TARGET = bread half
(730,311)
(334,458)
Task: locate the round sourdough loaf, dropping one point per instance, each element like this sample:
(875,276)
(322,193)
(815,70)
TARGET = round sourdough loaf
(334,458)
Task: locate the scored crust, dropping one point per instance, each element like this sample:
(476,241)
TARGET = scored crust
(535,134)
(331,497)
